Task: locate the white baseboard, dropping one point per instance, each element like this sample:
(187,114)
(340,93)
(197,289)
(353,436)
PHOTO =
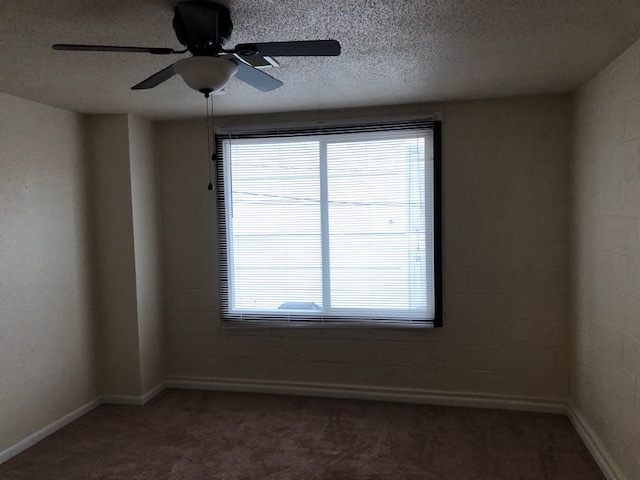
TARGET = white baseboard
(591,440)
(133,399)
(374,393)
(31,440)
(121,400)
(599,453)
(153,392)
(34,438)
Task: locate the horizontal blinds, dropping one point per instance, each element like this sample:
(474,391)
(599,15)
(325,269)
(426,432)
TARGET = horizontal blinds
(323,129)
(330,225)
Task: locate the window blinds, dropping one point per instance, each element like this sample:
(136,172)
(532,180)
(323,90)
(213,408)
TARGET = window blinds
(330,225)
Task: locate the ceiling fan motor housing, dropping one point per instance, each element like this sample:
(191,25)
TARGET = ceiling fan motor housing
(203,27)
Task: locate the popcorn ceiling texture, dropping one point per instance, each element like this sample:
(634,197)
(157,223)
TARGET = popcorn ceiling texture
(393,52)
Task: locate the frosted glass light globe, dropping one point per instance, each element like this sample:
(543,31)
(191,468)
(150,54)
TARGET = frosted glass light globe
(206,73)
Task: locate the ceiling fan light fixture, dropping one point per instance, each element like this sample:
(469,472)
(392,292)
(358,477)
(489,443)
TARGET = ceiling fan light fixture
(206,73)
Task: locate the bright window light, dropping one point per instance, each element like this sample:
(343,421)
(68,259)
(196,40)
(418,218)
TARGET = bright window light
(329,228)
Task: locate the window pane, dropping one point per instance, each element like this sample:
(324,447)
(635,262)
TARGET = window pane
(376,197)
(329,227)
(274,230)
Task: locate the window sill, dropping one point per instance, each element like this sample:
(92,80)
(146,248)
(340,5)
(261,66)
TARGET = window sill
(252,324)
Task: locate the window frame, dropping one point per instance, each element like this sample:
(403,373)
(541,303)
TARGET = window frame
(311,129)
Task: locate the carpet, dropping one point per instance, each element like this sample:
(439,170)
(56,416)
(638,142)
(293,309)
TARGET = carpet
(192,435)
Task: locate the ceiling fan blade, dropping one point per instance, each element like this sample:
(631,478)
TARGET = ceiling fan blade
(156,79)
(111,48)
(304,48)
(256,78)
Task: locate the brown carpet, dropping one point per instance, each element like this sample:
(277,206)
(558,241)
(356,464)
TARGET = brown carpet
(195,435)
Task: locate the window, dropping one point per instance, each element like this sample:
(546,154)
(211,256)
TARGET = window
(331,225)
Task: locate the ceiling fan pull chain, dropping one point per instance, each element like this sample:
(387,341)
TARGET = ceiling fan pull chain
(214,150)
(209,134)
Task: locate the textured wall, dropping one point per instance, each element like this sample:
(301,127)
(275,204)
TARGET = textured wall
(505,221)
(112,210)
(127,212)
(147,240)
(47,354)
(605,250)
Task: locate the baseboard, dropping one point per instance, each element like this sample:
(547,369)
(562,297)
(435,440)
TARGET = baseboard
(153,392)
(599,453)
(133,399)
(591,440)
(31,440)
(34,438)
(430,397)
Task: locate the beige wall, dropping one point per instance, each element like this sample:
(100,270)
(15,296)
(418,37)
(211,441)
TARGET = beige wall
(505,221)
(605,251)
(112,210)
(147,240)
(506,194)
(127,213)
(47,350)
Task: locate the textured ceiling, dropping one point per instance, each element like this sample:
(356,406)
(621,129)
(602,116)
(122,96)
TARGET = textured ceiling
(394,52)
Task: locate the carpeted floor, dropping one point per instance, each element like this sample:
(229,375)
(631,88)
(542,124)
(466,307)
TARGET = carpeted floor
(192,435)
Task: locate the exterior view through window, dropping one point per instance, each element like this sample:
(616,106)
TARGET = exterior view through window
(329,227)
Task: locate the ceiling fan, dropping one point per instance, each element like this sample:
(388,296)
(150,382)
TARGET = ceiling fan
(204,28)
